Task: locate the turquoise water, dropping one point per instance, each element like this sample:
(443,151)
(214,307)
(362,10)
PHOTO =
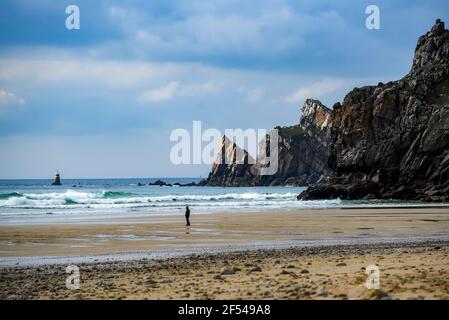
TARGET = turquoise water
(26,197)
(22,199)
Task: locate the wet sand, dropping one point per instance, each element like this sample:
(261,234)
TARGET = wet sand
(319,254)
(152,233)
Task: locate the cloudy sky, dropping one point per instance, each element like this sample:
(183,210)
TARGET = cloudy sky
(101,101)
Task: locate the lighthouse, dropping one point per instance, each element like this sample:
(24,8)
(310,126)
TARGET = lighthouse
(57,180)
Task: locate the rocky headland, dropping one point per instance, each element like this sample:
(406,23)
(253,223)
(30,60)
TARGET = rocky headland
(386,141)
(391,141)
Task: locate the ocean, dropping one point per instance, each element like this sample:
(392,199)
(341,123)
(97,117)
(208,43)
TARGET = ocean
(34,201)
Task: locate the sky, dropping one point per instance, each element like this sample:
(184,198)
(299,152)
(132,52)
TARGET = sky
(101,101)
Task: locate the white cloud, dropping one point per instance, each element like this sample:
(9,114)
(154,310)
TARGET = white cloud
(163,93)
(9,102)
(199,89)
(315,90)
(212,29)
(9,98)
(255,95)
(175,89)
(69,70)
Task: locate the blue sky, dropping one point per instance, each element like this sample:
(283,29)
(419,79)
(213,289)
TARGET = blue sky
(101,101)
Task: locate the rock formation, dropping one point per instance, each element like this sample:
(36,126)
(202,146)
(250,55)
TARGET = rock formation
(303,153)
(391,141)
(57,179)
(227,171)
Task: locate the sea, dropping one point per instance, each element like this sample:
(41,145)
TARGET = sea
(37,201)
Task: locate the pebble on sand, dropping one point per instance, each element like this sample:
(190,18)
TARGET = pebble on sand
(256,269)
(227,271)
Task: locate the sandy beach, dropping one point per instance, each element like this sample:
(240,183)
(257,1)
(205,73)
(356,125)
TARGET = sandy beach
(308,144)
(407,271)
(149,234)
(307,254)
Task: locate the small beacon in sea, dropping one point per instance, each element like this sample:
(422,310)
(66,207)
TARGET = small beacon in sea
(57,180)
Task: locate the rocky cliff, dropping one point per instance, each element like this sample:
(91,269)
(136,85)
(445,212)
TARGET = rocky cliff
(302,149)
(227,171)
(391,141)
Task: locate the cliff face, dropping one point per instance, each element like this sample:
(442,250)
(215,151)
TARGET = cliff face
(227,171)
(302,149)
(392,140)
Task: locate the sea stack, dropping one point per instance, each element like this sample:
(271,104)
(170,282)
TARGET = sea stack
(303,154)
(57,180)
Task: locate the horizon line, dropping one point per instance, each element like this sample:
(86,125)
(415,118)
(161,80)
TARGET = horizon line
(109,178)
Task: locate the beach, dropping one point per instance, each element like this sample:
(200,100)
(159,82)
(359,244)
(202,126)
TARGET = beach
(164,150)
(152,234)
(407,271)
(302,254)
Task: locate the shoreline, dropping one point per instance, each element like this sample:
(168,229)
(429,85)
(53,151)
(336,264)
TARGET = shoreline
(302,254)
(119,238)
(162,254)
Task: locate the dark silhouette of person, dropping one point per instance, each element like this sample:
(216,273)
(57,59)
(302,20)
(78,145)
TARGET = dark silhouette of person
(187,216)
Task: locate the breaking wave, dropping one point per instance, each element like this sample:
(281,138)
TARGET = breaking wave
(113,199)
(6,196)
(115,194)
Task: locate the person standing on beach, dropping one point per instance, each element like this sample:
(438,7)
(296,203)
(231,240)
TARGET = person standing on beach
(187,215)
